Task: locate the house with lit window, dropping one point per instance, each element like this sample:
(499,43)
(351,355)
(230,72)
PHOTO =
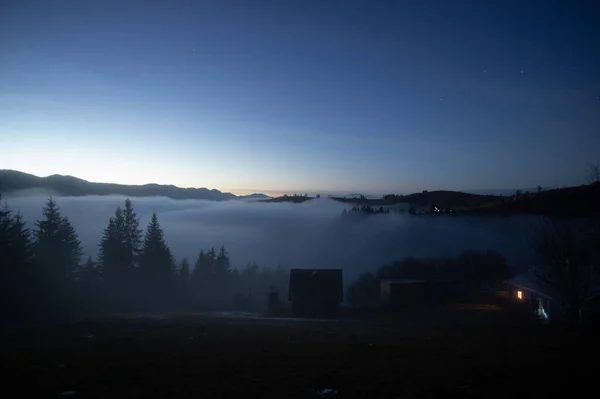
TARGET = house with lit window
(526,290)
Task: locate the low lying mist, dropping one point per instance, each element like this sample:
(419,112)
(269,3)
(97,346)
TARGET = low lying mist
(310,234)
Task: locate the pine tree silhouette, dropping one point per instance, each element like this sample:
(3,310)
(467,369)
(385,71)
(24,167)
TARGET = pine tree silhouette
(222,262)
(57,248)
(17,280)
(157,265)
(111,258)
(132,235)
(120,247)
(198,274)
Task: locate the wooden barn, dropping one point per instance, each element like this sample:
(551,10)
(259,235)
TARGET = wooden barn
(316,292)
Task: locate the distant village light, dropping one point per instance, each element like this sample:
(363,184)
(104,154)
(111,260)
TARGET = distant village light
(520,294)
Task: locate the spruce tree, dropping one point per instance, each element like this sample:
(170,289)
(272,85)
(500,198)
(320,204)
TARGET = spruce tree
(57,249)
(16,277)
(211,261)
(21,250)
(110,257)
(120,246)
(156,260)
(223,263)
(5,258)
(199,269)
(20,240)
(132,235)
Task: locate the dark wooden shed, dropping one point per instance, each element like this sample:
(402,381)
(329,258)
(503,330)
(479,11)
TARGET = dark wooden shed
(316,292)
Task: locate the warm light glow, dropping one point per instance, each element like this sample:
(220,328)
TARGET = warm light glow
(520,294)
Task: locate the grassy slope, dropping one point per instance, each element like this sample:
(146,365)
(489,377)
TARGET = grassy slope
(200,357)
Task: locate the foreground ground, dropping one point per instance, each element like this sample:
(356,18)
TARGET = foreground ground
(221,356)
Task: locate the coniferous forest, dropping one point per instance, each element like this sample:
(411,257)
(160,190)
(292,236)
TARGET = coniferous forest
(44,273)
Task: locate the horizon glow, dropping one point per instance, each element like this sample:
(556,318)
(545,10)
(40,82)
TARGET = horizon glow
(318,97)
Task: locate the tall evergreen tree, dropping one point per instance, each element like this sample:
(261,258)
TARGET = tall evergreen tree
(156,261)
(20,240)
(199,269)
(21,249)
(205,268)
(111,259)
(120,246)
(5,224)
(211,261)
(222,262)
(57,249)
(17,283)
(132,235)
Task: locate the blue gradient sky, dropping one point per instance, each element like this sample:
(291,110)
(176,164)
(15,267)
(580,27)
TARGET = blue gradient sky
(273,96)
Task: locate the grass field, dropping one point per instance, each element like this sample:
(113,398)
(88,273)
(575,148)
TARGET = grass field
(226,356)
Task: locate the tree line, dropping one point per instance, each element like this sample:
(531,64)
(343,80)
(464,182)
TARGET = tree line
(566,268)
(43,272)
(471,269)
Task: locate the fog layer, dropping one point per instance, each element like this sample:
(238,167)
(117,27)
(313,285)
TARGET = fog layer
(310,234)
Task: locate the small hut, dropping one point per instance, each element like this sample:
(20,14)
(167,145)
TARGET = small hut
(315,292)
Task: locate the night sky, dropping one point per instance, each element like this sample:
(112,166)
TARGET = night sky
(274,96)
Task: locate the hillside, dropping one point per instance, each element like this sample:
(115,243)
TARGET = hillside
(11,181)
(581,201)
(296,199)
(254,196)
(442,199)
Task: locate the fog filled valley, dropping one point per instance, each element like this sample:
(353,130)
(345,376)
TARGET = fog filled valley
(164,321)
(306,235)
(259,242)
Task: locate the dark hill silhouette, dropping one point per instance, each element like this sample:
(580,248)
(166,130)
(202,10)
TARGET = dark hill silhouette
(254,196)
(289,198)
(442,199)
(12,180)
(579,201)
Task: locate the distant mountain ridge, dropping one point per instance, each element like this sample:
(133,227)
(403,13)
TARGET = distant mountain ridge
(12,181)
(254,196)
